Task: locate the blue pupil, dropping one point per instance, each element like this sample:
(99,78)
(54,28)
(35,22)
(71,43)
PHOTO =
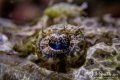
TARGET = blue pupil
(59,44)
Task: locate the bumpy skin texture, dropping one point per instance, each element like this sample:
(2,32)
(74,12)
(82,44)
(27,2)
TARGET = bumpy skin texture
(14,68)
(61,59)
(66,9)
(102,62)
(60,12)
(102,59)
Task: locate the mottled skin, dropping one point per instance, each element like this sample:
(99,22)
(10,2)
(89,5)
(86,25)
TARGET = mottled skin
(62,63)
(99,59)
(65,9)
(60,12)
(102,59)
(102,62)
(14,68)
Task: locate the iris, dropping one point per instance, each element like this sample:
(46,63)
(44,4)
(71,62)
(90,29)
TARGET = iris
(59,44)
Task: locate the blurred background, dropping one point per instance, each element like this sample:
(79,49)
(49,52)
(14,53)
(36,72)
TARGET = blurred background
(23,11)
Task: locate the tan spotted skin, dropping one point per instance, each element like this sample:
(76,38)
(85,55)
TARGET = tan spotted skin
(77,51)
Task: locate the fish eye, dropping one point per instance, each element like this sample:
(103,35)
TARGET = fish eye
(64,43)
